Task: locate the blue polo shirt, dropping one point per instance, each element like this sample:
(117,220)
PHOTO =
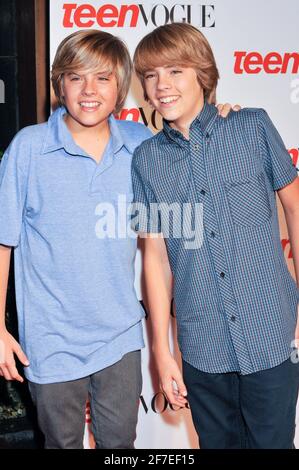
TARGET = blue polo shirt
(77,308)
(236,301)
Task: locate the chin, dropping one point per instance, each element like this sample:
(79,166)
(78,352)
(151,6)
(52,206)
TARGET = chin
(170,116)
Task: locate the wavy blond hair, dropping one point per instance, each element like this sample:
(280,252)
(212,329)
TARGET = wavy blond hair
(93,50)
(179,44)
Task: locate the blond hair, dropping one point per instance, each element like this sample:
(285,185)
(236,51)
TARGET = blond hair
(179,44)
(93,50)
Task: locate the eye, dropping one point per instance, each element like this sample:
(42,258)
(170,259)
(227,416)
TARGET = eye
(74,78)
(149,76)
(103,78)
(175,71)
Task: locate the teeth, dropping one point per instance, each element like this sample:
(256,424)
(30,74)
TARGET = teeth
(168,99)
(89,105)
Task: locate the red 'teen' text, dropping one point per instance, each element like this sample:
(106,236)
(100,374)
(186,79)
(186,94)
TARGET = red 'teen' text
(273,62)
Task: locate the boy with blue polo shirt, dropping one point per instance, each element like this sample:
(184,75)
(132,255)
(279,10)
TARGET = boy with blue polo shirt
(79,317)
(236,302)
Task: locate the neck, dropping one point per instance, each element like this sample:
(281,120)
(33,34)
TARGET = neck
(92,139)
(78,130)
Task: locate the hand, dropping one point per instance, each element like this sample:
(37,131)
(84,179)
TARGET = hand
(8,347)
(297,330)
(225,109)
(171,381)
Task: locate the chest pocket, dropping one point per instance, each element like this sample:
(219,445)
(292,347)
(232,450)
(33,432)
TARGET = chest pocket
(249,201)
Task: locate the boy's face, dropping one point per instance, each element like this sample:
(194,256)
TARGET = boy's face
(90,97)
(175,93)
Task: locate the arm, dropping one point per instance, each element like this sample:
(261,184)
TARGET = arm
(283,177)
(289,196)
(8,345)
(158,282)
(14,170)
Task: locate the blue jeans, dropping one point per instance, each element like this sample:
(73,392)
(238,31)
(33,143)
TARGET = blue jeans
(255,411)
(114,400)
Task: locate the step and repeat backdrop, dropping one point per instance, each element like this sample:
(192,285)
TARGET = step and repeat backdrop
(257,51)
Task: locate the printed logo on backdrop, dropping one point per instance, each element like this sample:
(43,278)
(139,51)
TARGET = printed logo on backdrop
(147,116)
(134,15)
(286,246)
(270,63)
(159,404)
(285,242)
(294,152)
(295,91)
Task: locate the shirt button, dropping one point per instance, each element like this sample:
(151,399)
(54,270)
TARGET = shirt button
(233,318)
(203,192)
(222,275)
(207,135)
(213,234)
(196,147)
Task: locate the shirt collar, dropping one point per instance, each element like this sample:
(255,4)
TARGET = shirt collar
(205,119)
(58,136)
(121,137)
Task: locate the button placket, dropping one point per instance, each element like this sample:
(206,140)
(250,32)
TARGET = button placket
(218,257)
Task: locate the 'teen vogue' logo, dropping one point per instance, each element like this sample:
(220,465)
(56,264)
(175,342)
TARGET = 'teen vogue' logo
(286,247)
(295,157)
(109,15)
(137,114)
(159,404)
(87,413)
(285,242)
(271,63)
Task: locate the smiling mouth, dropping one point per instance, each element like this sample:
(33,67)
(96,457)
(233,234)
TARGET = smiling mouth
(168,99)
(90,105)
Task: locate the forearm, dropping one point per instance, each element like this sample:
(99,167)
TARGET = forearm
(158,282)
(5,254)
(289,197)
(292,220)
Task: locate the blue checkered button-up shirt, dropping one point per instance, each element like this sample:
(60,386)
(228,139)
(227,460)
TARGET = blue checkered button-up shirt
(236,302)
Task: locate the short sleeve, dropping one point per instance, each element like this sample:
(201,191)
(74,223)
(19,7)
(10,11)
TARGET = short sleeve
(278,162)
(13,184)
(145,216)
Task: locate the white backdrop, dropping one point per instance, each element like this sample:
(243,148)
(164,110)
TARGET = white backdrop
(251,40)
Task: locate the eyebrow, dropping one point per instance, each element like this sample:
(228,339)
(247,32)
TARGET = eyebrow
(164,66)
(100,72)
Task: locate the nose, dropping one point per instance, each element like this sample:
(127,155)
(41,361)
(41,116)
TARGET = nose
(89,87)
(163,82)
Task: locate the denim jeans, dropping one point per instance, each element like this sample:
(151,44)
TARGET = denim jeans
(255,411)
